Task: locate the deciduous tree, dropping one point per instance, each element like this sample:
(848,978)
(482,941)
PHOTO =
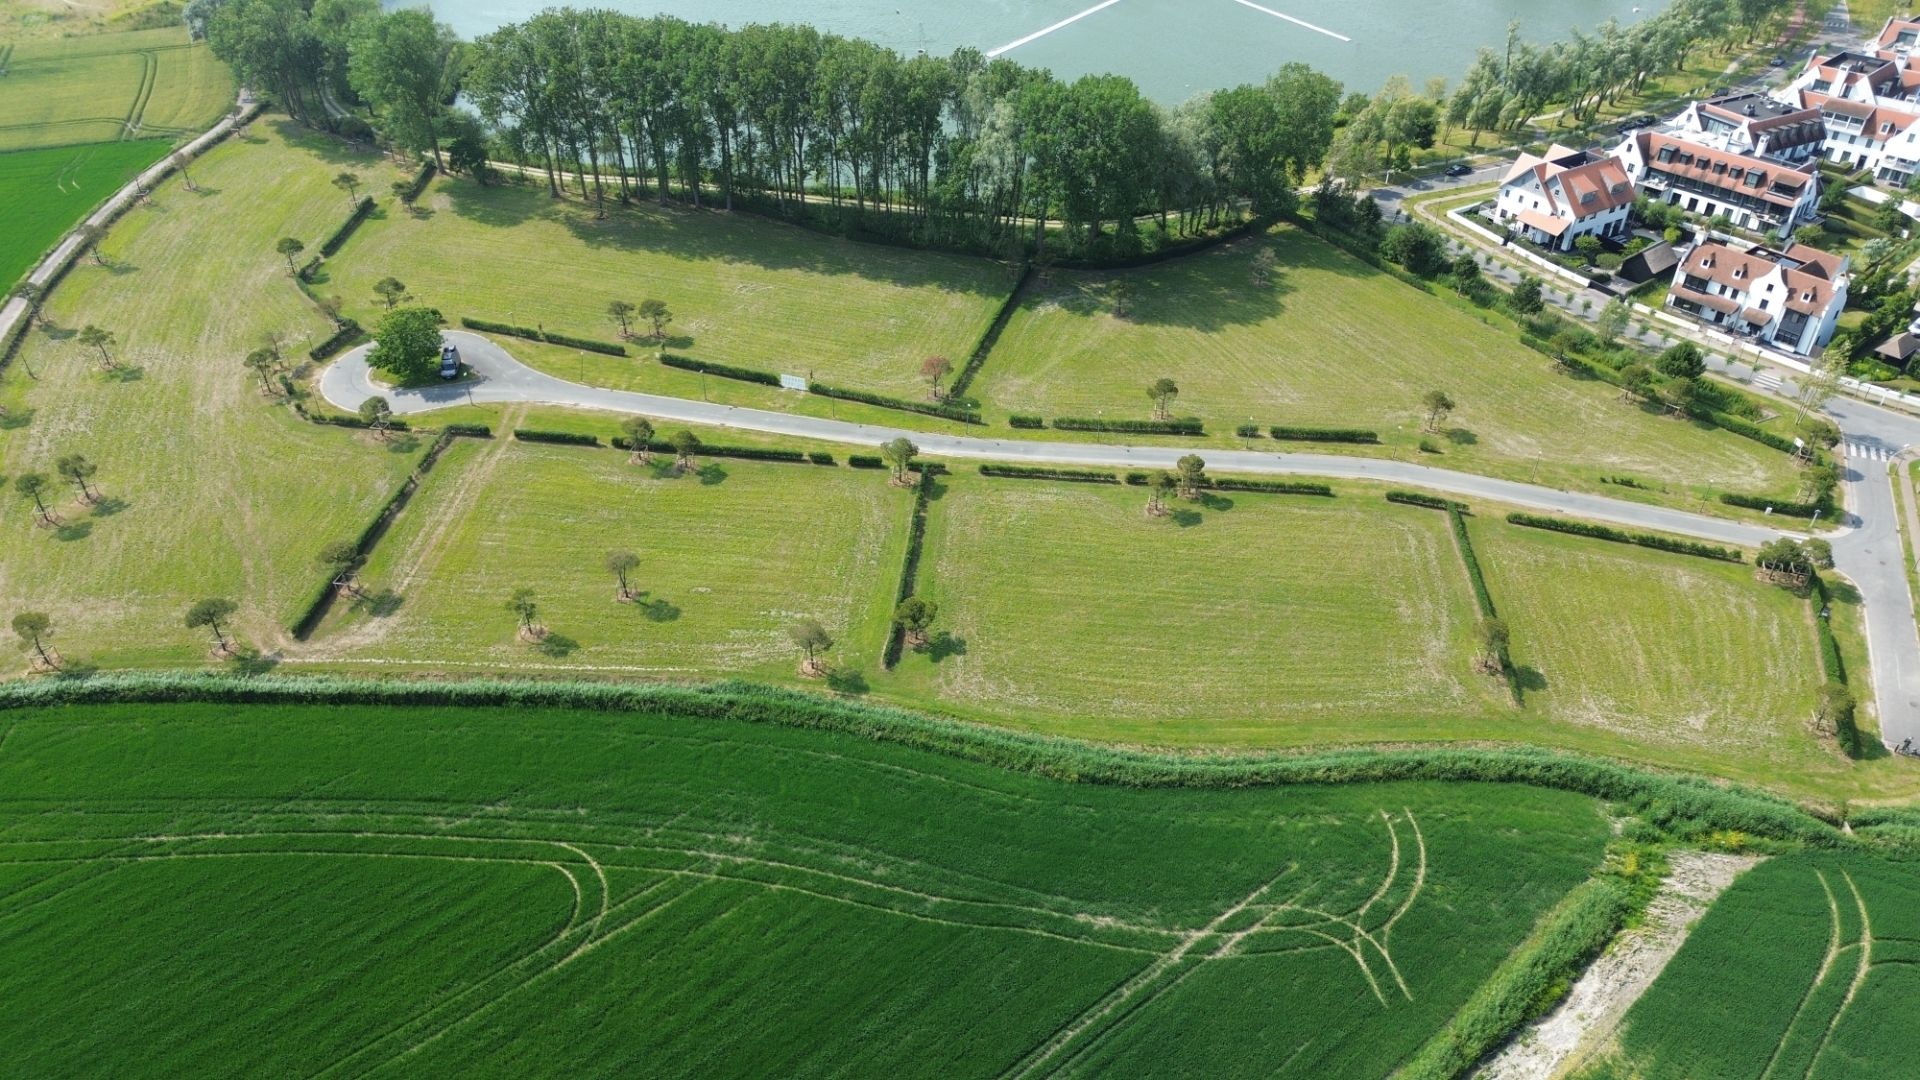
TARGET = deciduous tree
(213,614)
(933,369)
(33,628)
(349,182)
(656,313)
(290,248)
(33,485)
(407,345)
(899,455)
(1163,391)
(1192,471)
(262,362)
(1493,636)
(75,469)
(391,290)
(408,65)
(90,237)
(1159,486)
(639,432)
(621,312)
(526,609)
(620,564)
(685,445)
(376,413)
(1682,361)
(813,639)
(1526,297)
(101,340)
(1437,405)
(1613,320)
(915,615)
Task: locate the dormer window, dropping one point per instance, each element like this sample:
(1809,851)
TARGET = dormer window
(1807,296)
(1739,273)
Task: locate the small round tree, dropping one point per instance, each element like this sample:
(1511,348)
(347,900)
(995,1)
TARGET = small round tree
(290,248)
(213,614)
(392,291)
(1163,391)
(262,362)
(33,293)
(525,608)
(621,312)
(621,564)
(407,345)
(1160,486)
(813,639)
(75,469)
(33,486)
(899,455)
(376,414)
(33,628)
(349,182)
(1193,475)
(639,433)
(1493,636)
(685,446)
(1438,405)
(656,313)
(915,615)
(933,369)
(100,340)
(90,237)
(340,559)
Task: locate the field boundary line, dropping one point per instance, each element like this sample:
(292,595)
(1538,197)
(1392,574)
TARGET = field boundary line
(1819,975)
(1859,974)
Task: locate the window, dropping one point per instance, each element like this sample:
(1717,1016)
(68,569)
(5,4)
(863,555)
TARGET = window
(1763,304)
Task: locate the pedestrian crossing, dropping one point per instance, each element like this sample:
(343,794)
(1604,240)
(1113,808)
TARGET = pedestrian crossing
(1768,381)
(1869,452)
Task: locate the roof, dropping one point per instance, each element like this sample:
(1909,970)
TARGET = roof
(1807,293)
(1720,304)
(1546,223)
(1895,28)
(1900,347)
(1819,263)
(1879,124)
(1555,155)
(1651,261)
(1596,187)
(1771,181)
(1575,185)
(1755,317)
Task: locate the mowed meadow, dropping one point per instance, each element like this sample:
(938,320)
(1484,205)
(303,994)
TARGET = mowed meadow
(210,489)
(1332,342)
(743,290)
(441,891)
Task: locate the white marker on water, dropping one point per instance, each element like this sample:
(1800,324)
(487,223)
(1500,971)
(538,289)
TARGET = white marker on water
(1038,34)
(1278,15)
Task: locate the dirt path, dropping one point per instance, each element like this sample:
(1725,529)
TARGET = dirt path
(1586,1021)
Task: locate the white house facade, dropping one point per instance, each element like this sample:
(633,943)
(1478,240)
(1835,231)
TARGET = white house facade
(1757,194)
(1790,299)
(1556,199)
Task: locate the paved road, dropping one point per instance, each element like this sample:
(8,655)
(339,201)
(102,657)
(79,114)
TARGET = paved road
(502,379)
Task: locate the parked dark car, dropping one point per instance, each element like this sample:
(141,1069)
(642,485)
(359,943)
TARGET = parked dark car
(1459,168)
(449,362)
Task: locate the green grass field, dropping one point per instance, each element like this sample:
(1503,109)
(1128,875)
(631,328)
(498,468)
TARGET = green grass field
(743,290)
(730,557)
(99,88)
(508,892)
(47,191)
(1333,342)
(212,489)
(1658,650)
(1806,967)
(1249,614)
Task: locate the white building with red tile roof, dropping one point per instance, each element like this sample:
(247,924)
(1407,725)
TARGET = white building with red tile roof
(1789,298)
(1556,199)
(1869,102)
(1758,194)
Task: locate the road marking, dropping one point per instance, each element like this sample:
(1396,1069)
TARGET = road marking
(1289,18)
(1868,453)
(1038,34)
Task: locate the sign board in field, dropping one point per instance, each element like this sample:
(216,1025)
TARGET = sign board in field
(792,382)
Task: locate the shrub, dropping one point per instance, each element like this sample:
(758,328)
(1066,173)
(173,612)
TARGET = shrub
(1481,597)
(1029,422)
(508,329)
(819,457)
(608,348)
(1830,662)
(1621,536)
(471,431)
(333,243)
(1778,506)
(1270,487)
(1431,502)
(419,184)
(1248,431)
(909,570)
(568,438)
(309,268)
(865,461)
(1023,472)
(548,336)
(347,334)
(746,453)
(1188,426)
(961,413)
(1332,435)
(1835,712)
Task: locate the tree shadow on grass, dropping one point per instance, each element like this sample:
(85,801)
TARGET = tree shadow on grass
(711,474)
(656,609)
(558,646)
(124,373)
(1462,437)
(109,505)
(406,443)
(1215,502)
(327,148)
(76,669)
(16,419)
(945,644)
(248,660)
(1185,517)
(121,267)
(70,531)
(1529,680)
(847,681)
(380,604)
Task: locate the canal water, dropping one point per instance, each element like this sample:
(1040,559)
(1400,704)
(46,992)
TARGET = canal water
(1172,48)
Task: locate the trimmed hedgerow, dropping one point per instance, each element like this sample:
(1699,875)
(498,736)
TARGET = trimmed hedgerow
(910,569)
(725,371)
(1830,662)
(347,334)
(1529,981)
(990,336)
(471,431)
(1778,506)
(1681,807)
(419,184)
(1189,426)
(1028,422)
(750,453)
(1622,536)
(1026,472)
(1270,487)
(565,438)
(1482,598)
(332,244)
(548,336)
(926,408)
(1247,431)
(865,461)
(1331,435)
(344,420)
(323,597)
(1431,502)
(819,457)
